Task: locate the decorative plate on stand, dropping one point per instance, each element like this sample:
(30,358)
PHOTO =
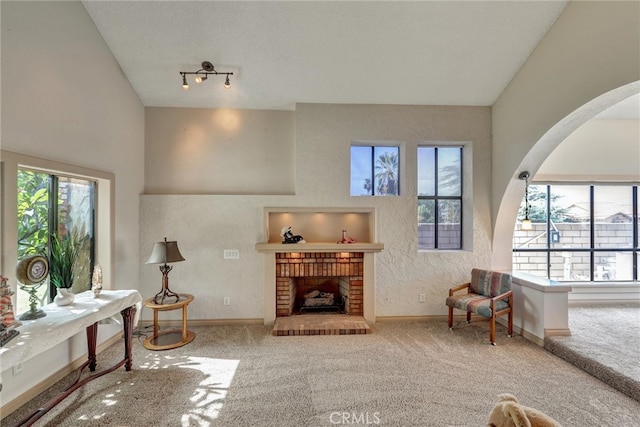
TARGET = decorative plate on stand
(31,272)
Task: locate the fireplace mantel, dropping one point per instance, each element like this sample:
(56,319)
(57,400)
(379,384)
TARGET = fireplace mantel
(319,247)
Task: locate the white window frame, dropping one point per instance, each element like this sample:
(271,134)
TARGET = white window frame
(104,210)
(401,164)
(467,191)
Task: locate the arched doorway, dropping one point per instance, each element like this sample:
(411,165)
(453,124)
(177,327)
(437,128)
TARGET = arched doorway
(507,212)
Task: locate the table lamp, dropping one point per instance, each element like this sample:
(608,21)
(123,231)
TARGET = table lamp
(164,253)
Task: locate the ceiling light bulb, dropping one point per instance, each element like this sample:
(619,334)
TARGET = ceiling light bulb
(185,85)
(227,83)
(198,79)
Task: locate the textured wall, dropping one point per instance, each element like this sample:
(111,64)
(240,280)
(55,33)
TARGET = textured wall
(588,61)
(206,225)
(220,151)
(598,150)
(90,118)
(65,98)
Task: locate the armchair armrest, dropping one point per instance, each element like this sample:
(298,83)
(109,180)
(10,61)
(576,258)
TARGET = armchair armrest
(459,288)
(507,295)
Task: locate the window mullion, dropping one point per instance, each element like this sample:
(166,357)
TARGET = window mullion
(548,233)
(634,227)
(373,171)
(436,210)
(53,220)
(592,231)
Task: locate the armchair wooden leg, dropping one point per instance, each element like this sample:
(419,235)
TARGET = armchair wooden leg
(450,317)
(492,330)
(468,317)
(510,324)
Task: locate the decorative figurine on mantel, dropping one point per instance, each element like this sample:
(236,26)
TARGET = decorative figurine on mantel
(96,280)
(346,239)
(288,236)
(7,320)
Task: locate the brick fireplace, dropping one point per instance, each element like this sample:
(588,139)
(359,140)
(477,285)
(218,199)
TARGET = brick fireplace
(339,273)
(321,263)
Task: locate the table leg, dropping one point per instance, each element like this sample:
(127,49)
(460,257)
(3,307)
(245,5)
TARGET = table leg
(155,323)
(92,336)
(184,323)
(127,316)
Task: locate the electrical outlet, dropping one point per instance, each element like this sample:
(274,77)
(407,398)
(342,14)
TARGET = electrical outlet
(227,301)
(231,254)
(422,297)
(17,369)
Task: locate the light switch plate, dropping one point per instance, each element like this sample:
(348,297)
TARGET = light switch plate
(231,254)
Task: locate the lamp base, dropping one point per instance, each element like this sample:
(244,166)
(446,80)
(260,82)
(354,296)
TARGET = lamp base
(164,294)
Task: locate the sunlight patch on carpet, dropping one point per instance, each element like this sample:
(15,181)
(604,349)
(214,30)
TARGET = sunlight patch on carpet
(208,396)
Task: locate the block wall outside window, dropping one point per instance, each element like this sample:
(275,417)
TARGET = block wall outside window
(581,233)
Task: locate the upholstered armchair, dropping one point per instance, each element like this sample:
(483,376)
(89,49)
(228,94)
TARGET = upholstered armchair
(488,294)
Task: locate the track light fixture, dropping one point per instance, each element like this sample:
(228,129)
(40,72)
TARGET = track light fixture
(202,75)
(526,222)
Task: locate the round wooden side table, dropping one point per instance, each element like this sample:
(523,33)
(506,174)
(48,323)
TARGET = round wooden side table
(173,338)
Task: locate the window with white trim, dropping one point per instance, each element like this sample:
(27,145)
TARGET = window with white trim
(439,197)
(54,204)
(40,196)
(581,233)
(375,170)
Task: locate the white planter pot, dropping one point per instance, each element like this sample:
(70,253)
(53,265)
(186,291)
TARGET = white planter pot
(64,297)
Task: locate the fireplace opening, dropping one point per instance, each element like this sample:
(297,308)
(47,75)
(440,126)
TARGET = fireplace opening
(322,294)
(314,281)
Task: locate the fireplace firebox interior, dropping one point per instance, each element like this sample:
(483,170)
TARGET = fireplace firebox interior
(322,281)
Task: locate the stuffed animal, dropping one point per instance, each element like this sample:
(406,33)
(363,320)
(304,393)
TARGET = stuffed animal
(509,413)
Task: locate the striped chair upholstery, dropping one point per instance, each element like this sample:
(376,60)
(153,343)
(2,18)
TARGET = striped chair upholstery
(488,294)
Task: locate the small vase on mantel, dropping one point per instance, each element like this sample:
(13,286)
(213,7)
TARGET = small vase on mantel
(64,297)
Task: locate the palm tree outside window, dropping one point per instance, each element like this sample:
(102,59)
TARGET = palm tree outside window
(375,171)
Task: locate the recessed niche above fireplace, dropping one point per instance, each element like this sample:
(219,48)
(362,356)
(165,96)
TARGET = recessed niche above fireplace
(321,229)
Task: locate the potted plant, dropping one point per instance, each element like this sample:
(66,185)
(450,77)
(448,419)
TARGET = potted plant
(64,254)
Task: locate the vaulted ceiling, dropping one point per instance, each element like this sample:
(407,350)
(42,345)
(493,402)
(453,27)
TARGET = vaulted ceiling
(285,52)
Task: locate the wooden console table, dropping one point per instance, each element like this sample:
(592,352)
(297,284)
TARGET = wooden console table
(62,323)
(166,340)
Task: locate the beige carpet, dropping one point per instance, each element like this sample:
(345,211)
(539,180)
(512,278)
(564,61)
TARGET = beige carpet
(403,374)
(605,342)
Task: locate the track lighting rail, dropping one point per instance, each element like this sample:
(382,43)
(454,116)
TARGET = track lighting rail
(203,74)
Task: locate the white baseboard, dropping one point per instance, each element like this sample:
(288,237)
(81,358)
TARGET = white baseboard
(201,322)
(562,332)
(405,318)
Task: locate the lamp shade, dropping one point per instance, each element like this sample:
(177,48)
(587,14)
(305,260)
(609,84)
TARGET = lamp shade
(526,225)
(165,252)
